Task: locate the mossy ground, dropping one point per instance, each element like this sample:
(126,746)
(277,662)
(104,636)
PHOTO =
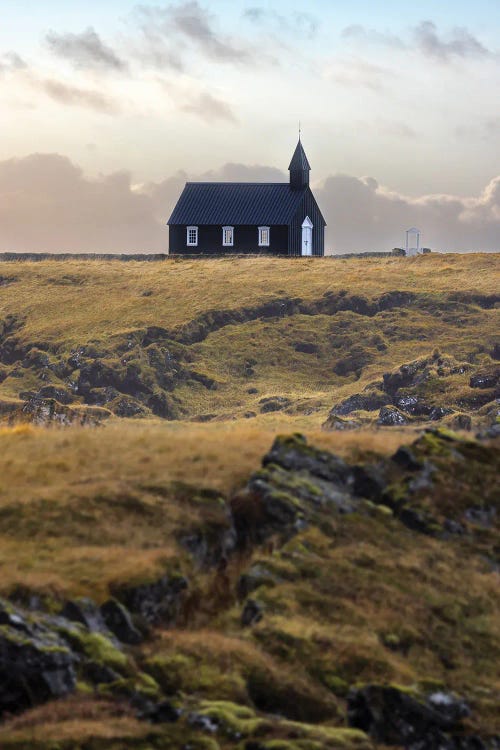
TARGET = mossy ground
(353,599)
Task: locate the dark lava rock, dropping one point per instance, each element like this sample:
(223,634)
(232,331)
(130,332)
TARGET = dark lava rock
(294,454)
(305,347)
(85,611)
(394,717)
(252,391)
(252,613)
(417,520)
(125,406)
(408,375)
(370,401)
(438,412)
(59,393)
(341,425)
(157,713)
(296,482)
(163,406)
(479,516)
(102,396)
(45,411)
(370,481)
(253,579)
(453,528)
(119,621)
(484,380)
(157,601)
(389,416)
(100,674)
(413,405)
(203,723)
(354,362)
(36,664)
(273,403)
(406,458)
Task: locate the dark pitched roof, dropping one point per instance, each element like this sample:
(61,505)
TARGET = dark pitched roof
(299,159)
(234,203)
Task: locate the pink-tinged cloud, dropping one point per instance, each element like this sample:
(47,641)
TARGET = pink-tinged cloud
(47,204)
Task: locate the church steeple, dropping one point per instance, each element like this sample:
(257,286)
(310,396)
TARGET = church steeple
(299,168)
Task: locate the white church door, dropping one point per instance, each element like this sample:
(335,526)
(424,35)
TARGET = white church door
(307,237)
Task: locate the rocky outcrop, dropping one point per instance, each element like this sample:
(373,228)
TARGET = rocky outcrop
(36,663)
(425,390)
(156,601)
(300,484)
(48,411)
(389,416)
(394,717)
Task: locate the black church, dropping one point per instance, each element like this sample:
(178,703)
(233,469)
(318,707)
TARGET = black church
(217,218)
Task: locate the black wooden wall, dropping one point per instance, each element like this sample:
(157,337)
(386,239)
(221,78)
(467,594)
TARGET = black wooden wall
(246,240)
(310,208)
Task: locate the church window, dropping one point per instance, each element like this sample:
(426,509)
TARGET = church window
(192,236)
(227,236)
(264,237)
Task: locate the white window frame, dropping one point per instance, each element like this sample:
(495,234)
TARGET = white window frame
(189,242)
(228,241)
(262,235)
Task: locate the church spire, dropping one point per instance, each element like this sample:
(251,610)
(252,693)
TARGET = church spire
(299,168)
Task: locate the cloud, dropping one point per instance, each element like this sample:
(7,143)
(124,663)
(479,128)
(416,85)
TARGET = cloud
(460,43)
(188,97)
(48,204)
(77,97)
(362,215)
(210,108)
(168,31)
(357,73)
(295,22)
(11,61)
(360,33)
(426,38)
(85,50)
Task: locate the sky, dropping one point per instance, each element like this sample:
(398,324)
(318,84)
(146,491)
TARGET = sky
(107,108)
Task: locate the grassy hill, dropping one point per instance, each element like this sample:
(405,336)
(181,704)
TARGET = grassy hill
(212,339)
(379,570)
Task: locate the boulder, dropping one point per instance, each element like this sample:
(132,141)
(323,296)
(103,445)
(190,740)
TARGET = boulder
(414,405)
(484,380)
(296,482)
(369,401)
(59,393)
(305,347)
(252,613)
(119,621)
(438,412)
(86,612)
(155,601)
(273,403)
(341,425)
(394,717)
(36,664)
(389,416)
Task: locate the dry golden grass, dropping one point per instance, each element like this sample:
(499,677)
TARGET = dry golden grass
(68,302)
(93,509)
